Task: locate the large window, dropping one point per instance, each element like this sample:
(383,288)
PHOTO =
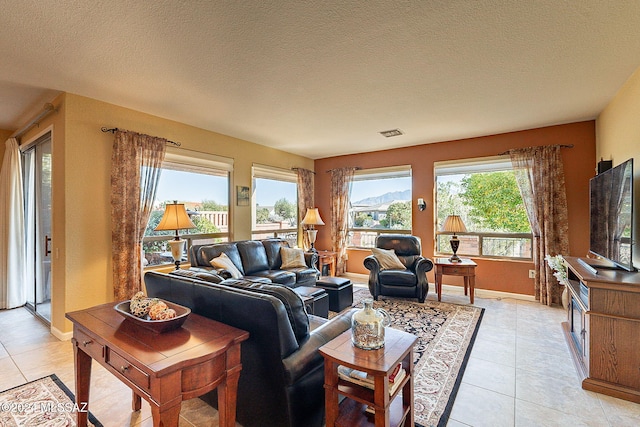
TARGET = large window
(275,204)
(199,181)
(485,194)
(380,202)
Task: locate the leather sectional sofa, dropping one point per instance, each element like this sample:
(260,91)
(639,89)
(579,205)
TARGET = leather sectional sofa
(282,378)
(256,259)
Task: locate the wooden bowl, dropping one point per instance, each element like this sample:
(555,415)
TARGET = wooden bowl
(155,326)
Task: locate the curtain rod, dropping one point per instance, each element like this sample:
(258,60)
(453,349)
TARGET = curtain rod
(561,146)
(46,110)
(303,169)
(357,168)
(114,130)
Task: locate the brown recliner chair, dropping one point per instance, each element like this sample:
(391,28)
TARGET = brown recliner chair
(409,283)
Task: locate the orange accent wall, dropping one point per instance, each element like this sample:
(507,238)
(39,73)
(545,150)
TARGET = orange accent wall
(507,276)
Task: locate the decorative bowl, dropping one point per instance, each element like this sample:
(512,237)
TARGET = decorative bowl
(155,326)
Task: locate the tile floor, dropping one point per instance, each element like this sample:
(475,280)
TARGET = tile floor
(520,373)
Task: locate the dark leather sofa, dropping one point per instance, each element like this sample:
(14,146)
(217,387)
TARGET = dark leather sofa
(410,282)
(256,259)
(282,378)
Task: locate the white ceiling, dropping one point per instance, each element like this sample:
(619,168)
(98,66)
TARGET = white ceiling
(323,78)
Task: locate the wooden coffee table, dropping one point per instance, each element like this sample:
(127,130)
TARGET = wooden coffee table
(164,369)
(390,410)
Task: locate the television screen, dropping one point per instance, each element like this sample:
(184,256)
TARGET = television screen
(611,204)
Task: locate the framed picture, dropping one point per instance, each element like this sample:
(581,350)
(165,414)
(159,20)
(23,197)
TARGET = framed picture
(242,195)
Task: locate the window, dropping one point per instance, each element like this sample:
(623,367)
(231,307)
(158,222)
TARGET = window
(380,202)
(275,204)
(485,194)
(201,182)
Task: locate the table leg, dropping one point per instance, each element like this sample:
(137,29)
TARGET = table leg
(472,287)
(466,284)
(136,402)
(331,392)
(83,381)
(165,417)
(439,285)
(227,392)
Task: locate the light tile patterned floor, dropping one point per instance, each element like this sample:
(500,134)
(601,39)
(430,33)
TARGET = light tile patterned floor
(520,373)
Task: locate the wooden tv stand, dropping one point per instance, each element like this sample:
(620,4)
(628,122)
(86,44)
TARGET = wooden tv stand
(602,328)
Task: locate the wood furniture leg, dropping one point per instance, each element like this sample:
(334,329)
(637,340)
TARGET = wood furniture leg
(228,389)
(331,392)
(136,402)
(82,363)
(165,416)
(439,284)
(472,287)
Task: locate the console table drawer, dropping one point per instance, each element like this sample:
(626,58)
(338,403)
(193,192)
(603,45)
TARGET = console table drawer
(89,345)
(133,374)
(452,271)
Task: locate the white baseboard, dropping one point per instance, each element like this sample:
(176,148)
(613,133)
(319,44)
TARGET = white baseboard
(450,289)
(62,336)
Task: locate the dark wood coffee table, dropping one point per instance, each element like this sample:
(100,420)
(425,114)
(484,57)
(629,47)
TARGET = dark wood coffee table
(164,369)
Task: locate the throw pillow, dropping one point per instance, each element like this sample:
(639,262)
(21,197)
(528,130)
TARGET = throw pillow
(224,262)
(292,258)
(388,259)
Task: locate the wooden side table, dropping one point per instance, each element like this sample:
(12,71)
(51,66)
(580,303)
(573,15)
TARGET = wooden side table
(164,369)
(465,267)
(327,258)
(390,410)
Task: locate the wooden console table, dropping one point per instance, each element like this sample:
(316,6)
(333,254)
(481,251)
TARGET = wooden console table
(390,410)
(465,267)
(164,369)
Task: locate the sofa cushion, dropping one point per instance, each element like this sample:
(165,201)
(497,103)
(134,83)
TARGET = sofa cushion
(206,276)
(205,253)
(388,259)
(253,256)
(292,303)
(272,248)
(281,277)
(292,258)
(224,262)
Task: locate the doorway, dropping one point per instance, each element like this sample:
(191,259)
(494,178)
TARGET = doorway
(37,161)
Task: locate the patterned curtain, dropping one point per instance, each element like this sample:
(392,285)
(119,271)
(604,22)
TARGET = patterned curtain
(135,170)
(305,200)
(340,188)
(540,177)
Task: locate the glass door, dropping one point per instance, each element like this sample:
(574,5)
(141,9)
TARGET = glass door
(37,208)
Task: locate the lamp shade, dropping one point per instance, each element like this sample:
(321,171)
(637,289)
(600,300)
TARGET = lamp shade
(312,217)
(175,218)
(453,224)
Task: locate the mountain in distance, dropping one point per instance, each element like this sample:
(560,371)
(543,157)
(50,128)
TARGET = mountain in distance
(385,198)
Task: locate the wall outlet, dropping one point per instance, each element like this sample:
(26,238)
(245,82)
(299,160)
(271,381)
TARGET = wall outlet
(532,274)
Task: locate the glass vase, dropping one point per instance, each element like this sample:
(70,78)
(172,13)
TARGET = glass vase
(367,326)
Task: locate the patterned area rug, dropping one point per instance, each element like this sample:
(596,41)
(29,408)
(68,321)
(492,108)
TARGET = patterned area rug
(44,402)
(446,333)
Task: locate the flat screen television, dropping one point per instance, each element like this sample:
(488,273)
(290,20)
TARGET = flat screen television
(611,205)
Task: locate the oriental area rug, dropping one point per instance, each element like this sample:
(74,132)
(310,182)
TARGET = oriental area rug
(44,402)
(446,333)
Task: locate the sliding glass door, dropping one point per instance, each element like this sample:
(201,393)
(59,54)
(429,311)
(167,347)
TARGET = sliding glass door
(37,207)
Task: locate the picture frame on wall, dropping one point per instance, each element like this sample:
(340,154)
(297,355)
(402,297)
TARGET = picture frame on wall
(242,195)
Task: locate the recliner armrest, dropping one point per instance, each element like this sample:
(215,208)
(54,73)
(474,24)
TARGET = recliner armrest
(311,259)
(307,357)
(423,265)
(372,264)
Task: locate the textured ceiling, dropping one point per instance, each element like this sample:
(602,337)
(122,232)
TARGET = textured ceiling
(323,78)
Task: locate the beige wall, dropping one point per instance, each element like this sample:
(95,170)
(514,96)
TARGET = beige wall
(4,135)
(618,139)
(81,190)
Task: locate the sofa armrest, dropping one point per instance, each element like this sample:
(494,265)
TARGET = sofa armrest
(311,259)
(307,357)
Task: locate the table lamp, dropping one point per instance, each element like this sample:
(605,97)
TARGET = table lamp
(175,218)
(312,218)
(453,224)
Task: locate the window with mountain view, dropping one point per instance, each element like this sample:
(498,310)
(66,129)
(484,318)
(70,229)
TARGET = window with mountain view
(380,202)
(485,194)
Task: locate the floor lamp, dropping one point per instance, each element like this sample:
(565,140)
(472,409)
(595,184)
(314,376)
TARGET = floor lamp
(453,224)
(175,218)
(312,218)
